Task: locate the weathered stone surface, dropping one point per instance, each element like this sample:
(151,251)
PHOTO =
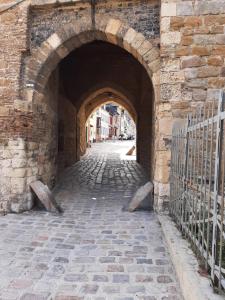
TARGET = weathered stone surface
(164,279)
(18,185)
(130,152)
(54,41)
(45,196)
(191,61)
(111,30)
(199,95)
(190,73)
(71,250)
(173,37)
(168,9)
(128,38)
(186,40)
(209,7)
(200,50)
(208,71)
(176,23)
(213,94)
(192,21)
(215,61)
(206,39)
(192,39)
(29,296)
(165,24)
(185,8)
(140,196)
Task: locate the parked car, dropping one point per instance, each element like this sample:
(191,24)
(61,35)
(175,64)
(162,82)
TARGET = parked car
(130,137)
(123,136)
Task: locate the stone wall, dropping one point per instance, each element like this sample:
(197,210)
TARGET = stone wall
(145,128)
(193,51)
(56,133)
(44,21)
(143,16)
(32,127)
(192,41)
(192,66)
(46,125)
(67,130)
(14,117)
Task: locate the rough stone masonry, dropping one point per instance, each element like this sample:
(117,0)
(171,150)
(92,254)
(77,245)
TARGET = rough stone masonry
(176,49)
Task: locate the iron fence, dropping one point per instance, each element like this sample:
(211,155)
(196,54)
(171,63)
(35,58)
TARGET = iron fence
(198,185)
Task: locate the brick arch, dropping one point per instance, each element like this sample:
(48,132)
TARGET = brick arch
(101,101)
(37,74)
(45,59)
(91,101)
(98,96)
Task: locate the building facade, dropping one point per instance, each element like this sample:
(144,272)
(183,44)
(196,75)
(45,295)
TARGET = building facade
(60,59)
(109,122)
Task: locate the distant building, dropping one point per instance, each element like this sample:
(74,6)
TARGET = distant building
(114,125)
(91,128)
(103,120)
(127,127)
(110,121)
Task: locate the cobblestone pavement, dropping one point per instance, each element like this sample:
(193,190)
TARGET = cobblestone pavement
(95,250)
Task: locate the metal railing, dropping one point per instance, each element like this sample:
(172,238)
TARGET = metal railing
(197,185)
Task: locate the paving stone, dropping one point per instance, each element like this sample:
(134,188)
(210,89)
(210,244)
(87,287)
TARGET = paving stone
(89,289)
(94,250)
(162,262)
(31,296)
(125,298)
(170,297)
(135,268)
(147,298)
(101,278)
(62,260)
(164,279)
(126,260)
(107,232)
(111,289)
(115,268)
(143,278)
(64,246)
(144,261)
(76,277)
(160,249)
(118,278)
(136,289)
(68,297)
(20,283)
(84,260)
(105,260)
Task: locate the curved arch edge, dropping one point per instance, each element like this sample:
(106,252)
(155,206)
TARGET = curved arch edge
(45,59)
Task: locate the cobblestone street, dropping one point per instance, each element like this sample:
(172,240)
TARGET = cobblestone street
(95,249)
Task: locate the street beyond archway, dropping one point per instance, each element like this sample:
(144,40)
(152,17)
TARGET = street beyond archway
(95,249)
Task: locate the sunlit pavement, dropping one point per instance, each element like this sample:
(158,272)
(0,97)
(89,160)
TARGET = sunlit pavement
(95,249)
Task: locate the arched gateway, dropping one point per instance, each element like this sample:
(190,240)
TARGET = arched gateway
(39,94)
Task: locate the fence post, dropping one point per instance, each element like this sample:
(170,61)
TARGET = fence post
(186,154)
(216,184)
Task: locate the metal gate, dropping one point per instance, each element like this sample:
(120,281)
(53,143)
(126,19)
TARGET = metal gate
(197,185)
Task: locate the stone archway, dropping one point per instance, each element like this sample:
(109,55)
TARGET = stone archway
(92,102)
(44,59)
(40,66)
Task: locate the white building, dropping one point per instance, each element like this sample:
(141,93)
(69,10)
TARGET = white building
(103,121)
